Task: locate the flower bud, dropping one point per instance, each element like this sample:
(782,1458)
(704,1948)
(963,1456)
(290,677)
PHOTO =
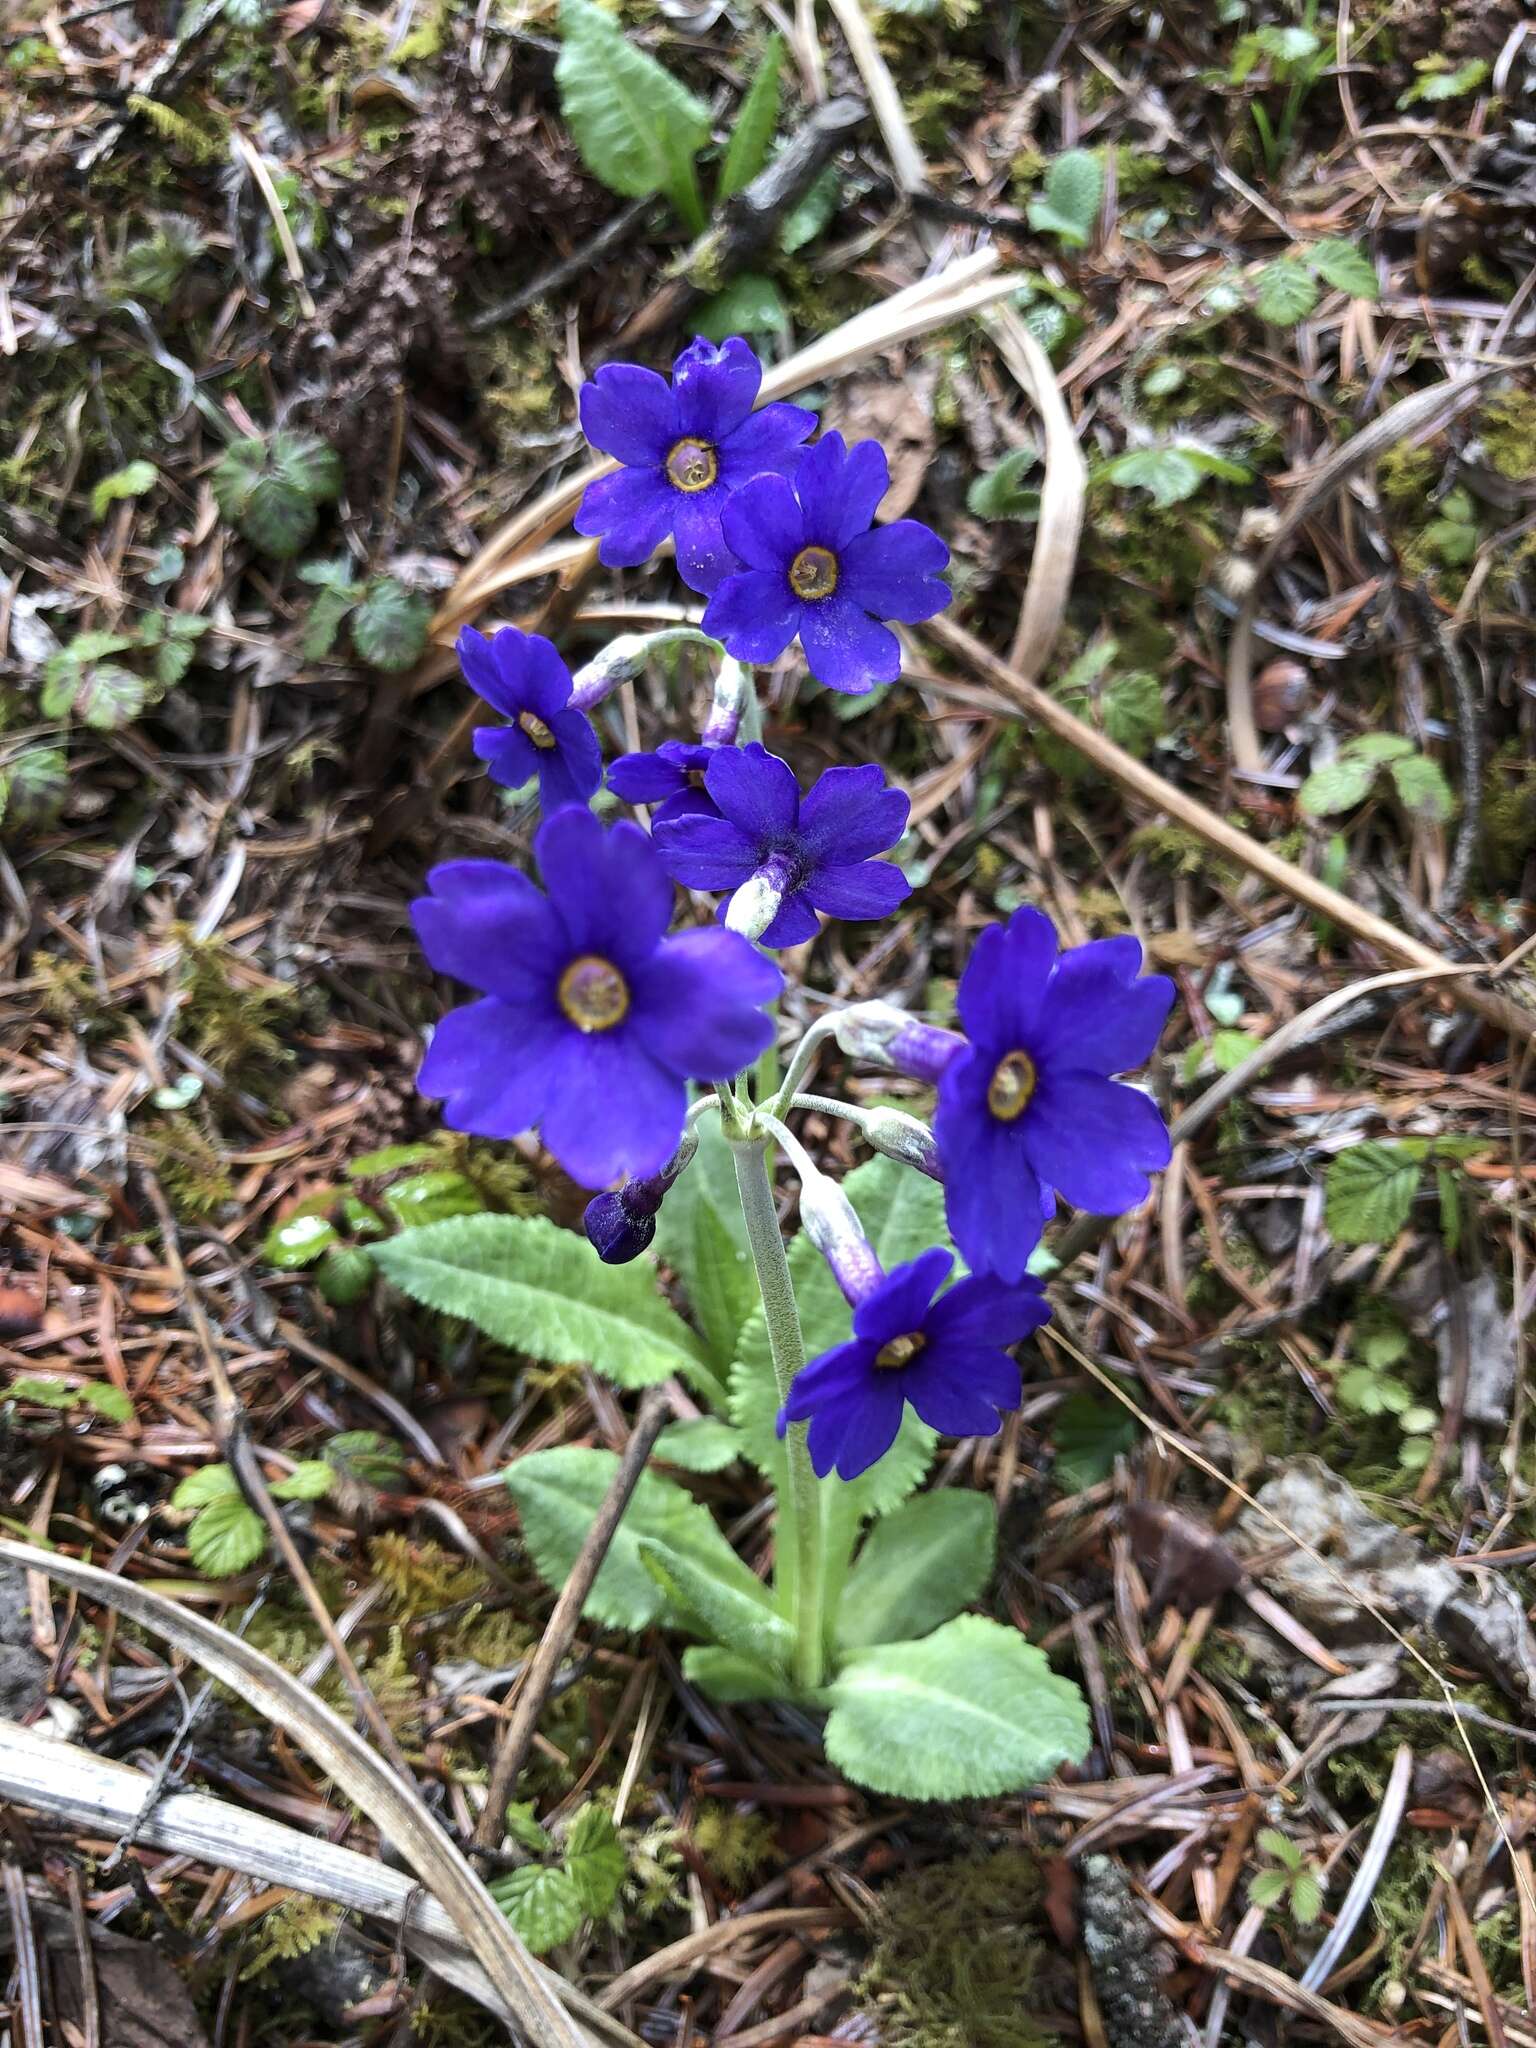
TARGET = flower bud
(760,898)
(902,1137)
(733,692)
(888,1037)
(621,1223)
(831,1223)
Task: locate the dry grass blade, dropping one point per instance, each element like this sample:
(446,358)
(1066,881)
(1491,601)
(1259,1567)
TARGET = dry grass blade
(398,1813)
(895,131)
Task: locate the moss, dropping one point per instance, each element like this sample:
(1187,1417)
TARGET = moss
(421,1577)
(239,1028)
(1509,434)
(1184,853)
(959,1950)
(189,1167)
(1509,811)
(287,1932)
(936,109)
(735,1845)
(1405,476)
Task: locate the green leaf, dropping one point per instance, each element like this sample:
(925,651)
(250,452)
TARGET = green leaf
(756,119)
(558,1494)
(546,1293)
(344,1275)
(270,489)
(1423,788)
(107,1400)
(1345,267)
(542,1904)
(970,1712)
(703,1444)
(1286,292)
(299,1238)
(213,1482)
(806,221)
(1168,473)
(919,1566)
(226,1537)
(1001,492)
(430,1197)
(1370,1190)
(1344,782)
(522,1827)
(1133,712)
(1280,1846)
(130,482)
(751,304)
(700,1232)
(1069,207)
(42,1390)
(634,124)
(153,268)
(389,627)
(727,1614)
(731,1680)
(1090,1432)
(1306,1898)
(1269,1887)
(1435,82)
(80,682)
(323,621)
(594,1860)
(33,787)
(364,1455)
(309,1480)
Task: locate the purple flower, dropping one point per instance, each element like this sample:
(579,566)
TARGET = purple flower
(817,565)
(1027,1108)
(593,1018)
(684,449)
(672,778)
(522,676)
(945,1356)
(805,855)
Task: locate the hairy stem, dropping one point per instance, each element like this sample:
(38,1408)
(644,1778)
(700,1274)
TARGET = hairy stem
(800,1506)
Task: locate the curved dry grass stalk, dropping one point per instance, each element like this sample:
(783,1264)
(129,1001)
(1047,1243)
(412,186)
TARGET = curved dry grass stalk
(907,163)
(395,1809)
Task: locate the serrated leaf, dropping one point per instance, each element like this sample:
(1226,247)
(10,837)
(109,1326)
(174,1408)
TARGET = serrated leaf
(364,1455)
(719,1612)
(522,1827)
(1345,267)
(1090,1432)
(80,682)
(42,1390)
(1069,206)
(1435,82)
(1306,1898)
(970,1712)
(323,621)
(918,1567)
(1422,787)
(271,489)
(213,1482)
(132,481)
(32,787)
(1133,712)
(153,268)
(226,1537)
(806,221)
(389,627)
(1001,492)
(542,1904)
(731,1680)
(309,1480)
(702,1444)
(546,1293)
(756,119)
(633,123)
(107,1400)
(594,1860)
(558,1494)
(1269,1887)
(1377,747)
(751,304)
(1370,1190)
(1285,292)
(1280,1846)
(700,1232)
(1338,786)
(1168,473)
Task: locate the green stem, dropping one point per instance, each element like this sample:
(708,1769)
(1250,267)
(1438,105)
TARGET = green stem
(800,1505)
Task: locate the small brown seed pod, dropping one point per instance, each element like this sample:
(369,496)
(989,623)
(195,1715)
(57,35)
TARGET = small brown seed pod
(1280,692)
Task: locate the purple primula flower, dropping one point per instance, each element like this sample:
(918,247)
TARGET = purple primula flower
(817,565)
(672,778)
(522,676)
(684,449)
(1027,1108)
(593,1018)
(805,854)
(946,1357)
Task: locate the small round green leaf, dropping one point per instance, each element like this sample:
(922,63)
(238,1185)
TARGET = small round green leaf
(389,627)
(227,1537)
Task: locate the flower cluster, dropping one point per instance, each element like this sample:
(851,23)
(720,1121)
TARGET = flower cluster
(594,1014)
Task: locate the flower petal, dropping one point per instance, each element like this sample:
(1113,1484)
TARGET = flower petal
(1004,983)
(1094,1140)
(768,441)
(893,571)
(609,889)
(697,1004)
(703,559)
(865,888)
(834,1372)
(856,1431)
(1098,1013)
(756,614)
(487,925)
(612,1109)
(630,413)
(845,648)
(899,1305)
(850,814)
(993,1197)
(646,778)
(704,851)
(755,790)
(764,526)
(959,1392)
(840,488)
(714,389)
(492,1066)
(571,770)
(510,756)
(485,675)
(633,512)
(986,1312)
(792,924)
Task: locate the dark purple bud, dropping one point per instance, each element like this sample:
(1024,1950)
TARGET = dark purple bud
(889,1037)
(618,1233)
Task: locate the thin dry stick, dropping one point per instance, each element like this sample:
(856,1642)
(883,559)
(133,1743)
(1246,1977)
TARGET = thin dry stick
(1134,775)
(907,166)
(1394,1802)
(687,1954)
(396,1809)
(517,1737)
(29,2004)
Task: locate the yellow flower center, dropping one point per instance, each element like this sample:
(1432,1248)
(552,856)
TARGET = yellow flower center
(593,994)
(813,573)
(1011,1086)
(900,1351)
(692,466)
(536,730)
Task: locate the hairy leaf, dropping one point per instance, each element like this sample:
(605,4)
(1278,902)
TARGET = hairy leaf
(1002,493)
(634,124)
(1286,292)
(130,482)
(1090,1432)
(702,1444)
(1346,268)
(1423,787)
(919,1566)
(594,1860)
(542,1904)
(724,1676)
(389,627)
(226,1537)
(1069,206)
(701,1233)
(720,1612)
(756,119)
